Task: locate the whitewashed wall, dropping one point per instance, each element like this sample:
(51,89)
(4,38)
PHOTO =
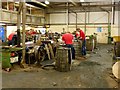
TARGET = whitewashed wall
(58,18)
(98,17)
(102,36)
(11,29)
(94,17)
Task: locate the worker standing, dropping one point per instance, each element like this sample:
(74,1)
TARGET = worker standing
(68,40)
(81,35)
(12,38)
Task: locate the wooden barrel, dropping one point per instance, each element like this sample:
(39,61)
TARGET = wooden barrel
(116,70)
(115,59)
(63,59)
(77,46)
(95,42)
(117,49)
(90,44)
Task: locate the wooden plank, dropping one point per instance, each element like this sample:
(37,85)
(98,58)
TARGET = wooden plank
(47,49)
(51,51)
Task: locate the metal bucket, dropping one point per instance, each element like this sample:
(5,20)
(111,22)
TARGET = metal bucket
(63,59)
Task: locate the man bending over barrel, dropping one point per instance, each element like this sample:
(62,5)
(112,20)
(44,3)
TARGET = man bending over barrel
(68,40)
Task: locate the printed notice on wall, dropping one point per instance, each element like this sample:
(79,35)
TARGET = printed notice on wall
(99,29)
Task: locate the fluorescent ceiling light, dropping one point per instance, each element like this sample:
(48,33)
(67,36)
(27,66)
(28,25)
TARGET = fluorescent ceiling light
(2,24)
(39,3)
(47,2)
(40,26)
(29,5)
(82,0)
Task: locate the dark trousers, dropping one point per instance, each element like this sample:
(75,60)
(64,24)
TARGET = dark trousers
(10,42)
(72,50)
(13,41)
(83,51)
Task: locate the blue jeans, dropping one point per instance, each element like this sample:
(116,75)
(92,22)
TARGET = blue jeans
(72,50)
(83,51)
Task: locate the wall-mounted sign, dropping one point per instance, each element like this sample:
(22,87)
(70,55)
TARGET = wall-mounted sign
(99,29)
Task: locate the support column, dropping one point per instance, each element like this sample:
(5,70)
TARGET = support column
(109,29)
(119,20)
(76,20)
(0,49)
(0,10)
(18,26)
(23,31)
(5,27)
(67,16)
(85,20)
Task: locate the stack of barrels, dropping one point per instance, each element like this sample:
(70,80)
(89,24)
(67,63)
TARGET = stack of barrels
(116,52)
(116,60)
(95,42)
(78,46)
(117,49)
(90,43)
(63,59)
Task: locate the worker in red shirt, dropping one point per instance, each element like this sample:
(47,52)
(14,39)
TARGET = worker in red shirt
(68,40)
(81,35)
(12,38)
(32,32)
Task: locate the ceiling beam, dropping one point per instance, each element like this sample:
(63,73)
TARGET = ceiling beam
(75,4)
(104,9)
(107,5)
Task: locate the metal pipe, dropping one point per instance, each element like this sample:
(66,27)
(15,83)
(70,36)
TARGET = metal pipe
(23,31)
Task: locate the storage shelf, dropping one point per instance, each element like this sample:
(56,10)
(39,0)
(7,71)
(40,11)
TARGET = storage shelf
(8,16)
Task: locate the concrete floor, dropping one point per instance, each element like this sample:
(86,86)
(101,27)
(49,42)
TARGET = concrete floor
(94,72)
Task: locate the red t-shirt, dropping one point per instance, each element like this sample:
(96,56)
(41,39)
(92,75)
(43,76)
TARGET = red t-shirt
(67,38)
(81,34)
(11,36)
(33,32)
